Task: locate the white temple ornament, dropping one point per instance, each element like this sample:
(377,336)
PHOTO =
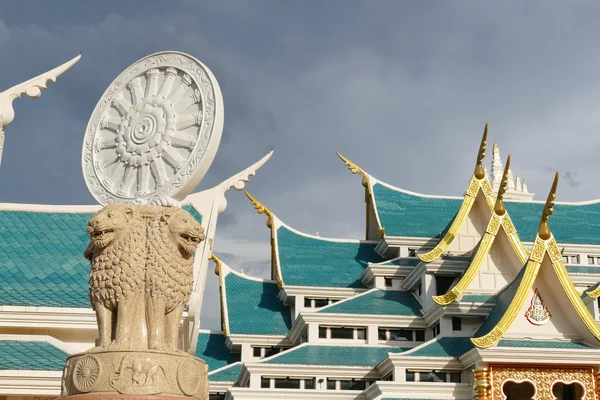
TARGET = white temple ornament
(537,313)
(32,89)
(154,132)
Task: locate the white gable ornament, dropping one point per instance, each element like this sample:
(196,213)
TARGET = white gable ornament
(154,132)
(537,313)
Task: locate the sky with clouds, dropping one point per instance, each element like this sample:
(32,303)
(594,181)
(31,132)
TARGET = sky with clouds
(401,88)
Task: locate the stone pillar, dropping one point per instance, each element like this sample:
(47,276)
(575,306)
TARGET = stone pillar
(482,384)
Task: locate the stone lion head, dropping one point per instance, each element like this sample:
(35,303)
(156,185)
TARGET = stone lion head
(185,231)
(109,224)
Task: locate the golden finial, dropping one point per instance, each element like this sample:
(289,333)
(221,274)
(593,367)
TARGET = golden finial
(479,172)
(544,230)
(261,209)
(499,207)
(355,169)
(217,262)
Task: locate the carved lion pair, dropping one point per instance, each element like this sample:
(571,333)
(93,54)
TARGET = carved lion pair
(141,273)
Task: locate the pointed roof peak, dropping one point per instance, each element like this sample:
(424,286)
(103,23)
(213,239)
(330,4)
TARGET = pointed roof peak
(499,206)
(544,229)
(355,169)
(479,171)
(261,209)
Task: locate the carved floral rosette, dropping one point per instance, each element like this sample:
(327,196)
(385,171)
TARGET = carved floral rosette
(135,373)
(154,132)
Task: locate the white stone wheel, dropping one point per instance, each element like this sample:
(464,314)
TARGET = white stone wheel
(86,373)
(154,132)
(189,376)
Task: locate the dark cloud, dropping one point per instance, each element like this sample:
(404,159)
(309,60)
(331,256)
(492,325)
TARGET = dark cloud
(403,89)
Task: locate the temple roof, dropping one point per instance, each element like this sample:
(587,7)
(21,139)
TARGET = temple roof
(441,347)
(306,260)
(356,356)
(378,302)
(30,356)
(251,304)
(229,373)
(211,348)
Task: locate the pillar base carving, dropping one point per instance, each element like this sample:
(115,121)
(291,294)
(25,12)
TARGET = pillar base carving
(136,375)
(482,384)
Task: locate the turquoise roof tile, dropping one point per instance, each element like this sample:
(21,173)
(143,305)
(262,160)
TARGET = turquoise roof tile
(443,347)
(407,214)
(378,302)
(313,261)
(477,298)
(228,374)
(356,356)
(542,344)
(22,355)
(212,349)
(41,258)
(253,307)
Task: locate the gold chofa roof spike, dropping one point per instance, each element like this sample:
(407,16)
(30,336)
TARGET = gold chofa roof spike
(544,230)
(479,171)
(261,209)
(355,169)
(499,206)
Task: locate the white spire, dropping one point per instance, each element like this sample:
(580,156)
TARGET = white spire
(524,187)
(496,168)
(511,181)
(519,188)
(485,172)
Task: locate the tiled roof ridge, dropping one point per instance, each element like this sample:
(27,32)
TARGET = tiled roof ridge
(215,371)
(226,270)
(348,299)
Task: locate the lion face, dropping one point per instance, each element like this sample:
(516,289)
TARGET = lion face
(108,224)
(185,231)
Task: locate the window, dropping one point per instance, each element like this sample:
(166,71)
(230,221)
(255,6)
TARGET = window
(308,302)
(265,382)
(575,259)
(309,383)
(287,383)
(256,351)
(322,332)
(398,334)
(566,259)
(270,351)
(433,376)
(321,303)
(591,260)
(216,396)
(456,324)
(387,282)
(330,384)
(443,284)
(342,332)
(412,253)
(436,329)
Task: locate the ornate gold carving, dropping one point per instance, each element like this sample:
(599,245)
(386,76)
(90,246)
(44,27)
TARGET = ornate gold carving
(489,339)
(189,376)
(499,208)
(597,384)
(494,224)
(553,251)
(508,226)
(355,169)
(261,209)
(447,298)
(482,384)
(487,189)
(479,172)
(443,244)
(86,373)
(542,378)
(544,229)
(474,186)
(538,250)
(218,264)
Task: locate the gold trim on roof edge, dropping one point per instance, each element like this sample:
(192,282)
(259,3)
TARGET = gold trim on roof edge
(355,169)
(499,208)
(478,182)
(218,269)
(261,209)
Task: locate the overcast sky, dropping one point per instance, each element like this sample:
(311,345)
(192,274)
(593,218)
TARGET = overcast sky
(401,88)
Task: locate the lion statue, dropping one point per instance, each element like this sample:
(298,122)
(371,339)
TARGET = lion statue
(173,236)
(117,253)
